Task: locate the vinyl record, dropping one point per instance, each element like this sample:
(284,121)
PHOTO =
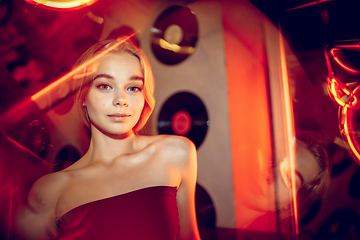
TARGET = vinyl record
(184,114)
(174,35)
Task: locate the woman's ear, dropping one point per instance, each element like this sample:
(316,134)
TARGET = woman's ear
(84,104)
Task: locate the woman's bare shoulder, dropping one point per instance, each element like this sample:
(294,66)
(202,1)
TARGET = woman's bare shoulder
(47,189)
(176,148)
(177,143)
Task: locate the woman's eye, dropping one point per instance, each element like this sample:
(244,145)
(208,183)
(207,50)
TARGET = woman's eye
(104,86)
(289,184)
(134,89)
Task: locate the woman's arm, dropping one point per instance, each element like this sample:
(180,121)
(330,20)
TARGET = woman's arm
(36,219)
(187,164)
(19,169)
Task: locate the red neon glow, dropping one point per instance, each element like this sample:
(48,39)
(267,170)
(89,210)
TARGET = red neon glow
(334,92)
(309,4)
(345,96)
(340,93)
(334,54)
(289,129)
(62,5)
(346,126)
(348,133)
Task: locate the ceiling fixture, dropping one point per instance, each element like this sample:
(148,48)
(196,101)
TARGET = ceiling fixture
(64,5)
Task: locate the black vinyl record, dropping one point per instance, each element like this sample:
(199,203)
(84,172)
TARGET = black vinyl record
(184,114)
(174,35)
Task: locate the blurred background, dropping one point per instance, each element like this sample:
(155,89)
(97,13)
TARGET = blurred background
(224,70)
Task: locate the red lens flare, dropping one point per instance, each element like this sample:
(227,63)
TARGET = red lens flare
(337,54)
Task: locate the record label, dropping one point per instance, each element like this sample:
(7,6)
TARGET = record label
(181,122)
(173,34)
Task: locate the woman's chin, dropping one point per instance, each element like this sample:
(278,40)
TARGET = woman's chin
(113,133)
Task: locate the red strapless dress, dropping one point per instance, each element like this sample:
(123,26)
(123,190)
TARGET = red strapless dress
(148,213)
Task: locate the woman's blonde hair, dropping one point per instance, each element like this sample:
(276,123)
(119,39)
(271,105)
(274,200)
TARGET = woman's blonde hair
(309,193)
(83,77)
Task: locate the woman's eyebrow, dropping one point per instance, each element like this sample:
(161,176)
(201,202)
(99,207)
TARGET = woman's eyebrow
(103,75)
(137,78)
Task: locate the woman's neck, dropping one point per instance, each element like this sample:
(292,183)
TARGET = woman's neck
(106,147)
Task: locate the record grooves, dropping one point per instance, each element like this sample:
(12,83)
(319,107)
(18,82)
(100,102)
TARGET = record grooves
(174,35)
(184,114)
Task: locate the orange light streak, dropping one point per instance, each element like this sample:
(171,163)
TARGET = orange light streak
(289,127)
(333,54)
(49,96)
(66,79)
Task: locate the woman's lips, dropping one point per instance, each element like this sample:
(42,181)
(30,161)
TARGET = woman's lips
(119,116)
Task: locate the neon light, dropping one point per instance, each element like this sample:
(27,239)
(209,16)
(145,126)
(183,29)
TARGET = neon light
(339,91)
(308,5)
(58,4)
(347,134)
(346,128)
(289,128)
(333,54)
(334,93)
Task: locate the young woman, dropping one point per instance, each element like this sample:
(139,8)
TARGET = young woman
(126,186)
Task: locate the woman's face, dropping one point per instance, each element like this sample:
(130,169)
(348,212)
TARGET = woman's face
(115,100)
(306,170)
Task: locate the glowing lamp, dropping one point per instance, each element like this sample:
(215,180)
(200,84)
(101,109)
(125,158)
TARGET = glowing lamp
(62,4)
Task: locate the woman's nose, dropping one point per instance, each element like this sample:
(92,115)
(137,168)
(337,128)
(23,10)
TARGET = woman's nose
(121,99)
